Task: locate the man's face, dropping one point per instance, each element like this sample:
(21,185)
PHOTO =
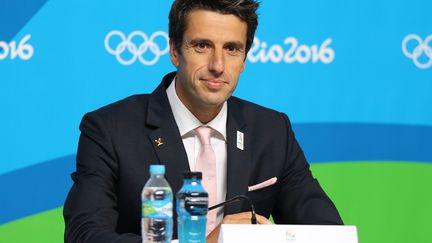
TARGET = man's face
(210,61)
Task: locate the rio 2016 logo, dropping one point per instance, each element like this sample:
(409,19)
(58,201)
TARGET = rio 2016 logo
(291,52)
(23,50)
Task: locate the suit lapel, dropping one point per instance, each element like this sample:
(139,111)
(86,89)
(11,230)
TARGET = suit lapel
(165,137)
(238,162)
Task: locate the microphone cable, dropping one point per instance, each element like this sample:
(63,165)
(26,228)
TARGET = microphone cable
(235,199)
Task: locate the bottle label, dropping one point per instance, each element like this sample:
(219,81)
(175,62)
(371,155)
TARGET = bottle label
(195,203)
(161,209)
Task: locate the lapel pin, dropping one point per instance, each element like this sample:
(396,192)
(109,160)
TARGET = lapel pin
(240,140)
(158,142)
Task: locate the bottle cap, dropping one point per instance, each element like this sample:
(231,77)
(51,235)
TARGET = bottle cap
(192,175)
(157,169)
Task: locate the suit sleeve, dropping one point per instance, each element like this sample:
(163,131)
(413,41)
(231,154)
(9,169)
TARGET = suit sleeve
(301,199)
(90,209)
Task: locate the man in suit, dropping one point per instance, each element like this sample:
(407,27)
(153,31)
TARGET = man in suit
(255,151)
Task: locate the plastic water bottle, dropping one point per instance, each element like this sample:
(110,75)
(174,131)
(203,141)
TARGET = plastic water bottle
(192,206)
(157,208)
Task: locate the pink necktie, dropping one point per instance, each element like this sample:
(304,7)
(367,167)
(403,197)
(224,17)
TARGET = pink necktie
(206,163)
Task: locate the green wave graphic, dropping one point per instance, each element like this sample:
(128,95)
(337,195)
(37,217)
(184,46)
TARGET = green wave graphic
(44,227)
(390,202)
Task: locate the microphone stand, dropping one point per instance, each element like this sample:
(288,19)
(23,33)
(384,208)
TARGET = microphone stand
(235,199)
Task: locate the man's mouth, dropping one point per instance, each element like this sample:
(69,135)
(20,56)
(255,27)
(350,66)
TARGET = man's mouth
(214,83)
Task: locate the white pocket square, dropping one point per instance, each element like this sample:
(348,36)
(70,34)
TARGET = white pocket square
(263,184)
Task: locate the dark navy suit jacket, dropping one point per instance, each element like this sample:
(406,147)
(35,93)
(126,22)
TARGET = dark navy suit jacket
(117,145)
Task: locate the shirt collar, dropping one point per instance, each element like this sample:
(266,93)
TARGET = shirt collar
(187,122)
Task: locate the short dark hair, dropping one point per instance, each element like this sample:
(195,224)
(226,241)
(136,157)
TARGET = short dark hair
(244,9)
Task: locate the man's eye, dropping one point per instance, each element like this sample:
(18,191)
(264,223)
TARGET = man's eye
(232,50)
(201,46)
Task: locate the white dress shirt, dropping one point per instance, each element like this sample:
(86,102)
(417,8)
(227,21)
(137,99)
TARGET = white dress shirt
(187,123)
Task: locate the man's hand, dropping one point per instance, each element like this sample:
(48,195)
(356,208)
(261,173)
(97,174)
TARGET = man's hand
(244,218)
(238,218)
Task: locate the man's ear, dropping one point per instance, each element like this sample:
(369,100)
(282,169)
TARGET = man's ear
(174,55)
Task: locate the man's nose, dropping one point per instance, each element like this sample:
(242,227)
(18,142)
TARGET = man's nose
(217,62)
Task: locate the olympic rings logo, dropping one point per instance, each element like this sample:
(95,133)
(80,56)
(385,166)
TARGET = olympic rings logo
(423,47)
(134,51)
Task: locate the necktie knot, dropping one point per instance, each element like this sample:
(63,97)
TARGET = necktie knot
(204,133)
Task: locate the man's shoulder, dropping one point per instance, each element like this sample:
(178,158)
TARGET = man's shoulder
(257,115)
(269,124)
(134,105)
(248,107)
